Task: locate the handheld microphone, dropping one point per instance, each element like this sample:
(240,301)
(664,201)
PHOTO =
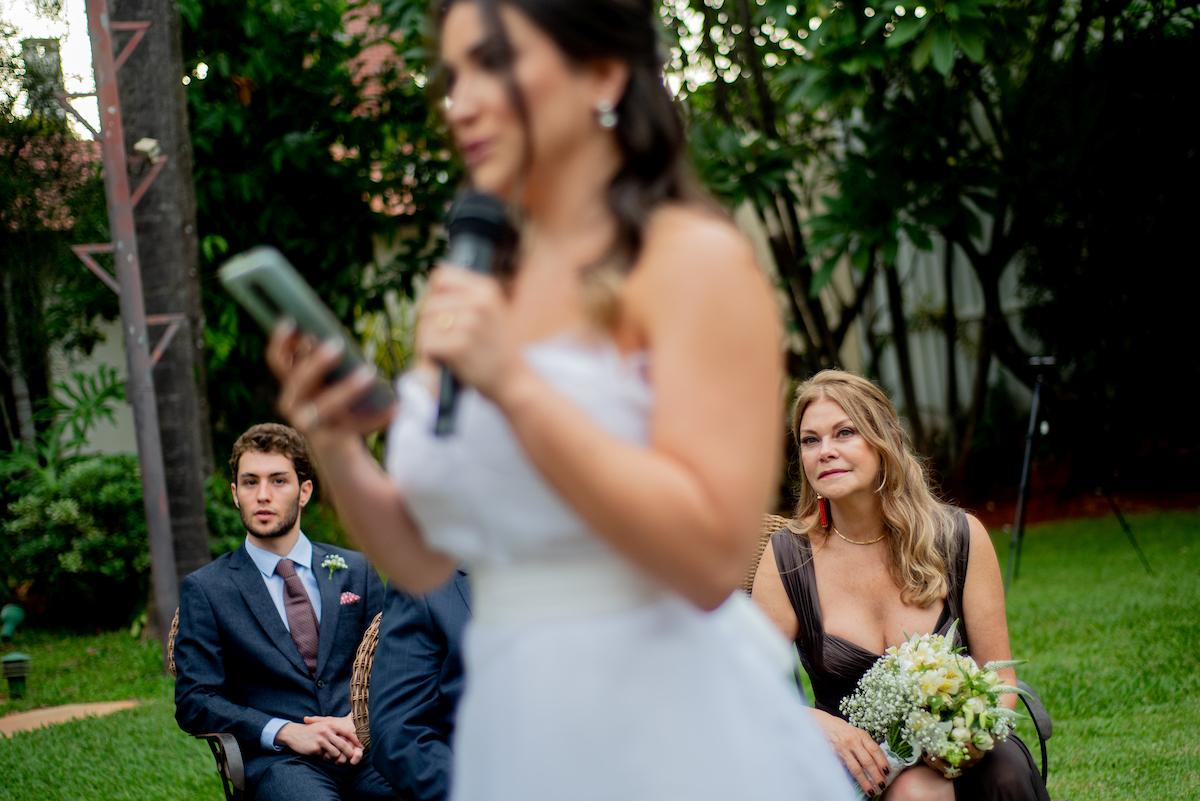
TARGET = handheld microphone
(478,225)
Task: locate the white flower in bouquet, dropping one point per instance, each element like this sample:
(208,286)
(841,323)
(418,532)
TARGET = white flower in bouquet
(925,698)
(887,694)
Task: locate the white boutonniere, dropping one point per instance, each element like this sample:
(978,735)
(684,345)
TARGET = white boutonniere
(334,562)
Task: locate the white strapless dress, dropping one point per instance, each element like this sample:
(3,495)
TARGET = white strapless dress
(585,679)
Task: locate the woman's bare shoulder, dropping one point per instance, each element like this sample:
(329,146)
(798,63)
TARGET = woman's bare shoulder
(981,547)
(693,237)
(697,276)
(976,528)
(692,252)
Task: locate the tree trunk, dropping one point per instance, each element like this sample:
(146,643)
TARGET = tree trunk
(709,48)
(28,343)
(983,366)
(22,401)
(1001,340)
(154,106)
(786,201)
(750,59)
(895,296)
(796,277)
(988,266)
(950,331)
(854,310)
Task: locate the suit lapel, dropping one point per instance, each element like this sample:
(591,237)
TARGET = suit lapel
(460,584)
(331,603)
(250,582)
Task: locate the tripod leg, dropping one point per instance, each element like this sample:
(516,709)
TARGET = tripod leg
(1018,532)
(1112,503)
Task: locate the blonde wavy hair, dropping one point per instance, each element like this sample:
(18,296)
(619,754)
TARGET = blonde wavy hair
(919,526)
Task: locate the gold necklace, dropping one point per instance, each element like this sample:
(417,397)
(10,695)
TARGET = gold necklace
(858,542)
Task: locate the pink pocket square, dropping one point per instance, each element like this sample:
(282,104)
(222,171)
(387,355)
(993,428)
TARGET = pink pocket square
(350,598)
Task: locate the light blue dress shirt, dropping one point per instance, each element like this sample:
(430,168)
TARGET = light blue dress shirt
(265,561)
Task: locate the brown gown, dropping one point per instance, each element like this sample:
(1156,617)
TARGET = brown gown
(834,665)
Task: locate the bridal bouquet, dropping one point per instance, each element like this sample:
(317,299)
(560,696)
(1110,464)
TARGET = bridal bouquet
(927,699)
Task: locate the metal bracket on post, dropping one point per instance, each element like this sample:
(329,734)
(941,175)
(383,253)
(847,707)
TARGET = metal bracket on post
(84,252)
(156,166)
(64,100)
(139,30)
(172,322)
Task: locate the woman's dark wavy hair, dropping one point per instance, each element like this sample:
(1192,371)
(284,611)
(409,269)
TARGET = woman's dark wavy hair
(649,130)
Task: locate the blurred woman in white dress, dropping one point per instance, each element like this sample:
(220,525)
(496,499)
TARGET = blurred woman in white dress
(614,443)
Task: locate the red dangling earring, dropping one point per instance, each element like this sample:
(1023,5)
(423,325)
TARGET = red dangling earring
(823,511)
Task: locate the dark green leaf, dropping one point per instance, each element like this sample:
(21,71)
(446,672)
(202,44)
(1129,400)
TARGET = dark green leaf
(943,50)
(921,53)
(906,29)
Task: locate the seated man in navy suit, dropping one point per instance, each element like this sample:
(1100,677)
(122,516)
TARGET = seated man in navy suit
(416,680)
(268,634)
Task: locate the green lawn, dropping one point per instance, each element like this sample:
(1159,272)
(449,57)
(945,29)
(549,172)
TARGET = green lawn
(136,754)
(1112,651)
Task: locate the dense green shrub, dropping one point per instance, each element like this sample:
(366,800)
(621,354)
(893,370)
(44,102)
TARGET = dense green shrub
(77,543)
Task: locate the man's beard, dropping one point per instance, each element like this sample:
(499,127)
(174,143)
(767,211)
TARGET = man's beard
(284,526)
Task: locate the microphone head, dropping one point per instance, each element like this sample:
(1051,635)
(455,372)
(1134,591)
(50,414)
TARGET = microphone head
(478,214)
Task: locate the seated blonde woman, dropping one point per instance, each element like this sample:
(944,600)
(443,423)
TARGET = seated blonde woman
(870,558)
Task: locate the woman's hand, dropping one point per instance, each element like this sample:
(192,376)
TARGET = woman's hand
(861,755)
(464,324)
(305,401)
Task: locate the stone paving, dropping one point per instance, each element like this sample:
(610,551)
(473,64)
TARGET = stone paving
(48,716)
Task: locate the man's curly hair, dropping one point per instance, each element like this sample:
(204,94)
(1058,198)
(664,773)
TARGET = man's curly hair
(273,438)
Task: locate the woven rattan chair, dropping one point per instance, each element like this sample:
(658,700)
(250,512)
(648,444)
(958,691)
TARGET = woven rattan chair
(360,681)
(224,746)
(770,524)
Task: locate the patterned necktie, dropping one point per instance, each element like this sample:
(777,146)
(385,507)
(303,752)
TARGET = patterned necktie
(302,620)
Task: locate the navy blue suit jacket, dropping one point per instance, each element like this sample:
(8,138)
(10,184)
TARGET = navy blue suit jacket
(416,681)
(237,666)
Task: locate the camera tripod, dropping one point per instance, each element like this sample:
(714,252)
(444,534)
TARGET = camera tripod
(1018,531)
